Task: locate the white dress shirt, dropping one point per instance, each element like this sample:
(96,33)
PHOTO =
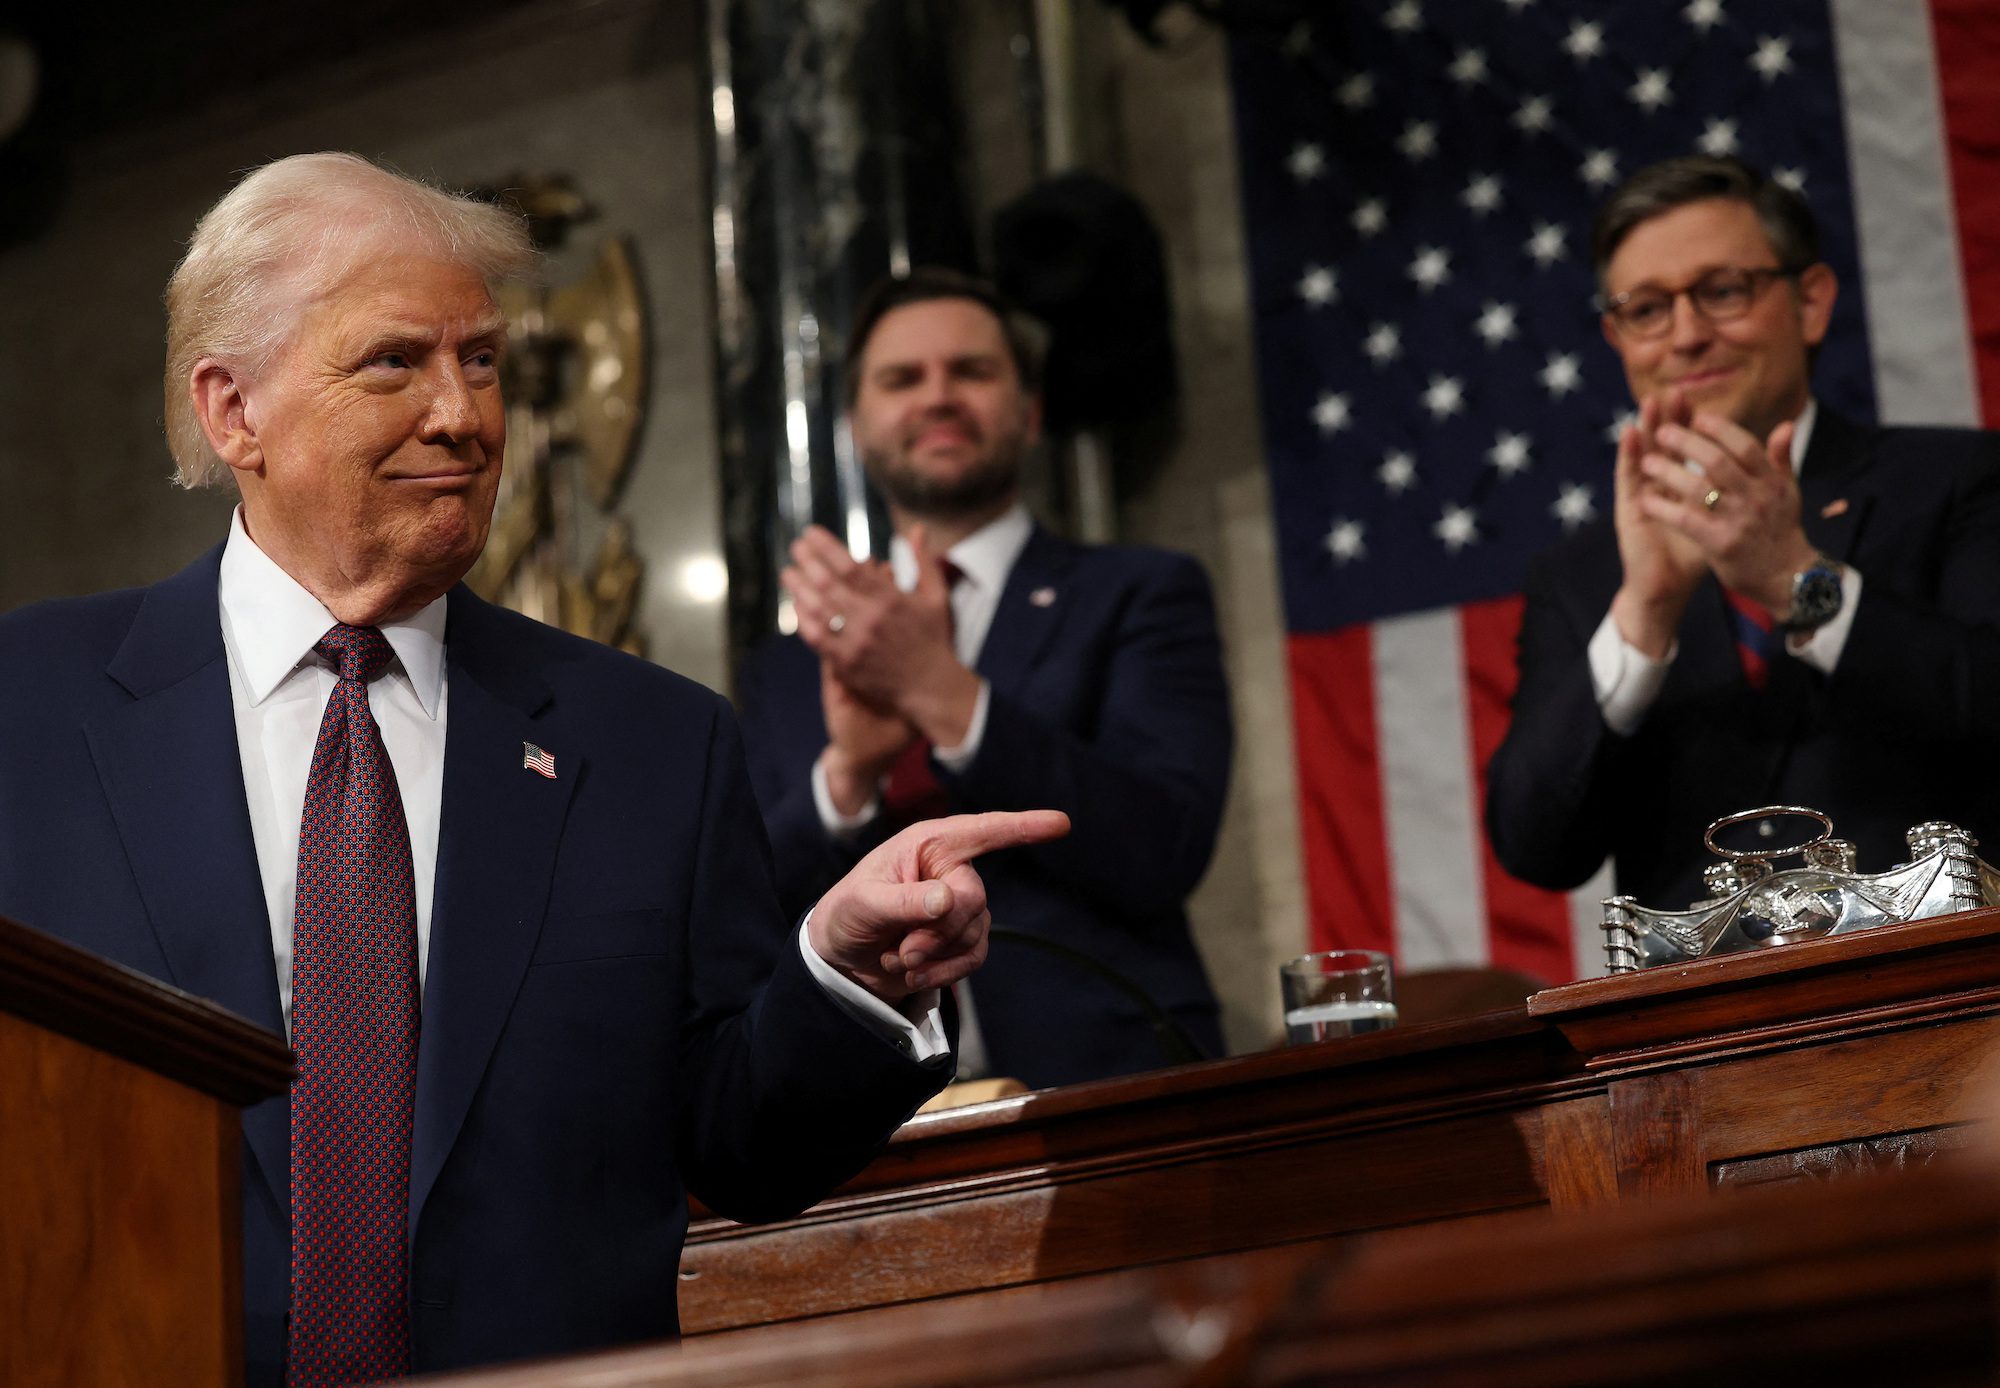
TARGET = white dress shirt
(279,689)
(1627,681)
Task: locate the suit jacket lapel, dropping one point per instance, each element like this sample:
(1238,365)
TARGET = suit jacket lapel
(170,770)
(497,837)
(1031,608)
(1708,637)
(1834,461)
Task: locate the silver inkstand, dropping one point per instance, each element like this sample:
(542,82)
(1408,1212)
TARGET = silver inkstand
(1754,904)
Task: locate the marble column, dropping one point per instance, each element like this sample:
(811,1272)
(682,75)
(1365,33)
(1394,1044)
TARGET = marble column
(833,164)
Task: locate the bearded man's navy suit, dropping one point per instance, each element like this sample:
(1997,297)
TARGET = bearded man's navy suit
(1906,729)
(614,1010)
(1108,701)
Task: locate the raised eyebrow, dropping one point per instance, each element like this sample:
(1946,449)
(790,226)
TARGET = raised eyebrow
(488,330)
(408,341)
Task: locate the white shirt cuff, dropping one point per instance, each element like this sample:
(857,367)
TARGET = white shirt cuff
(1624,678)
(918,1032)
(830,818)
(956,759)
(1821,647)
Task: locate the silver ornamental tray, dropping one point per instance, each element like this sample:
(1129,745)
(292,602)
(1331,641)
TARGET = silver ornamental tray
(1753,905)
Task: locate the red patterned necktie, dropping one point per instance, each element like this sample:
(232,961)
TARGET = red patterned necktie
(912,790)
(1756,642)
(354,1027)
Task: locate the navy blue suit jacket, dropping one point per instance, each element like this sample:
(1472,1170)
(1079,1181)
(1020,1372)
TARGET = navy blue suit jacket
(1905,730)
(1109,703)
(614,1011)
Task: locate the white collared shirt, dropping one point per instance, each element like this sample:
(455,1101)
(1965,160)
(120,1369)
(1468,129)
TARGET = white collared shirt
(983,559)
(1627,681)
(279,689)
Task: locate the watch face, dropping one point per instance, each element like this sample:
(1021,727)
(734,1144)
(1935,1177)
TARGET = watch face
(1815,598)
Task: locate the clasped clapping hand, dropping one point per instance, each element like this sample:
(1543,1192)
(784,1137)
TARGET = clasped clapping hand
(1735,497)
(878,638)
(889,649)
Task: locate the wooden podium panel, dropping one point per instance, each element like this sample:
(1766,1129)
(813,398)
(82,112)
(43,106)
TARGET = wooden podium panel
(1876,1281)
(121,1157)
(1821,1058)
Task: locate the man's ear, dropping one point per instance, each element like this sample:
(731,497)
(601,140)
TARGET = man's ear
(220,405)
(1032,418)
(1818,287)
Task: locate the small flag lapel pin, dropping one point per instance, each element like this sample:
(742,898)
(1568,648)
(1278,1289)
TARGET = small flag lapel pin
(1836,507)
(1043,597)
(534,758)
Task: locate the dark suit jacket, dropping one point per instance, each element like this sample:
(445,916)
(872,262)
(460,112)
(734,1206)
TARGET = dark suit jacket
(1905,730)
(614,1006)
(1108,702)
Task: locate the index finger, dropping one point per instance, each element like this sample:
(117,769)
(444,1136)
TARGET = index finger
(822,544)
(964,837)
(1739,443)
(1647,420)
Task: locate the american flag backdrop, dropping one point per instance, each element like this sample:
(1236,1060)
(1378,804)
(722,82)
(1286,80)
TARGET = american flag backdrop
(1438,403)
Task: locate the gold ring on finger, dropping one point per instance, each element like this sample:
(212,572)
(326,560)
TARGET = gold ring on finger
(1707,504)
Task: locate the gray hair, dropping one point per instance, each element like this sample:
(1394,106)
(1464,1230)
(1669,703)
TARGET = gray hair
(1786,218)
(288,233)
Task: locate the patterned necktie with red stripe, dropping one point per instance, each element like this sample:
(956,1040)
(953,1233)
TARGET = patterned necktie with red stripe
(354,1027)
(1756,638)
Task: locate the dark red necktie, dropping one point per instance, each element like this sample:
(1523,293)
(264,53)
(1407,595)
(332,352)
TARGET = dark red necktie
(354,1027)
(1756,641)
(912,790)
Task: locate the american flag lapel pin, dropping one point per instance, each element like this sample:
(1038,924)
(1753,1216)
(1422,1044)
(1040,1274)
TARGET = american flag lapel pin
(534,758)
(1043,597)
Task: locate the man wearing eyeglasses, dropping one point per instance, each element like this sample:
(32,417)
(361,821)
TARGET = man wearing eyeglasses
(1786,607)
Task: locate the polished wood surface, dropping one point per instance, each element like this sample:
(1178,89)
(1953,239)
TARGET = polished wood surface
(112,1009)
(1876,1280)
(121,1158)
(1837,1055)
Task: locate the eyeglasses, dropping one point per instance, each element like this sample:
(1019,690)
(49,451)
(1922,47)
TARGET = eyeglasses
(1718,296)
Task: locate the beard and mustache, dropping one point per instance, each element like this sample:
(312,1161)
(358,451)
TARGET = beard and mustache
(991,476)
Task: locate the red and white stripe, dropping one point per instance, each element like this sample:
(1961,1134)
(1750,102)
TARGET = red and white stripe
(1400,718)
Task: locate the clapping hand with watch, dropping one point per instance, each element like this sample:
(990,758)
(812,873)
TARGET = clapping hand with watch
(1707,486)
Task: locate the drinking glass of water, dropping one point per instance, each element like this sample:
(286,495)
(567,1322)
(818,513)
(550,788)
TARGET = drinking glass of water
(1340,992)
